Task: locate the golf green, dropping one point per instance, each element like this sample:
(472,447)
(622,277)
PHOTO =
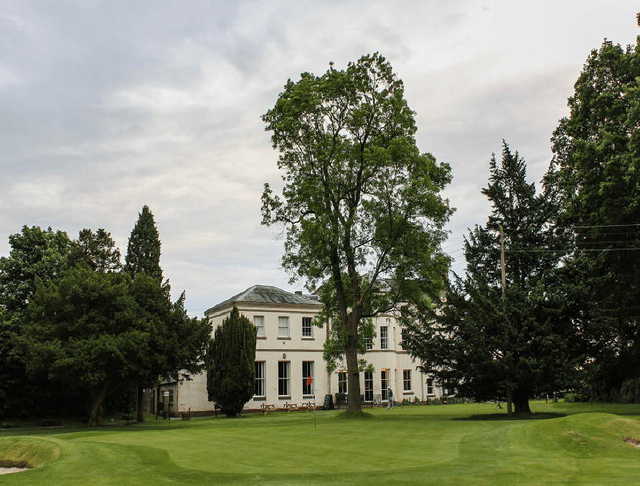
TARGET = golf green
(444,444)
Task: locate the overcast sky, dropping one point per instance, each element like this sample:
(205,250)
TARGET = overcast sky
(107,106)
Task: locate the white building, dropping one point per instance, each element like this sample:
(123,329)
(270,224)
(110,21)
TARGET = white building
(290,368)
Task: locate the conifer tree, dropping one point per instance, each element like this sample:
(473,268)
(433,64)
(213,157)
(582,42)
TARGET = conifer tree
(511,345)
(143,252)
(231,364)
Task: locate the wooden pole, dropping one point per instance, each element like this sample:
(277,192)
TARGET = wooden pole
(503,272)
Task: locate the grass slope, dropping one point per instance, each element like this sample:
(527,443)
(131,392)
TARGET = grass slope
(407,445)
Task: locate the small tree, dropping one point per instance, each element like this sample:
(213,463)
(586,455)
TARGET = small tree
(231,364)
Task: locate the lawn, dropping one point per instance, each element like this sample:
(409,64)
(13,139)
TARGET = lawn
(446,444)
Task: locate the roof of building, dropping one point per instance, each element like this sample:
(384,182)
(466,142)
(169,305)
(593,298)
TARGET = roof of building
(265,294)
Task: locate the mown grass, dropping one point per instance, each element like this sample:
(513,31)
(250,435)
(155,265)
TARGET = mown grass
(573,444)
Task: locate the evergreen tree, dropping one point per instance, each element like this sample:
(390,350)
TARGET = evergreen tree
(231,364)
(595,173)
(96,250)
(34,254)
(143,252)
(143,257)
(494,345)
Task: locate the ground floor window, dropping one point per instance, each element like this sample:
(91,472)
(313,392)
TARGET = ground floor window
(384,384)
(307,377)
(342,382)
(406,379)
(283,378)
(430,386)
(259,389)
(368,386)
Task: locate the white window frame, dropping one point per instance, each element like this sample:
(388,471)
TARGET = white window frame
(307,327)
(384,337)
(384,385)
(344,382)
(286,379)
(430,389)
(309,373)
(406,380)
(368,386)
(281,328)
(261,379)
(258,321)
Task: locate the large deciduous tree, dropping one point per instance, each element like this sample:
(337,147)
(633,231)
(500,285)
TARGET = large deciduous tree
(511,345)
(360,203)
(596,174)
(231,364)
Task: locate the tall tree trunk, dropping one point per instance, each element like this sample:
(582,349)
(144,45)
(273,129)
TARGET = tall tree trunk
(140,405)
(353,371)
(95,407)
(521,402)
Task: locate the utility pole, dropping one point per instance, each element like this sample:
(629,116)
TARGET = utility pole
(503,272)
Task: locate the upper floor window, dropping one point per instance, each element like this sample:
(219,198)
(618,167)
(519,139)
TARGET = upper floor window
(283,326)
(384,337)
(403,337)
(307,327)
(368,343)
(258,321)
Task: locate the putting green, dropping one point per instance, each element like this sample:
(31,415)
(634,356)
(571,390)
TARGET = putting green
(452,444)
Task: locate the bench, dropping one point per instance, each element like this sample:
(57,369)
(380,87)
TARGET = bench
(266,407)
(290,406)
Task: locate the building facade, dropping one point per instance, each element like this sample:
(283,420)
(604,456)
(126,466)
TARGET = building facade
(290,368)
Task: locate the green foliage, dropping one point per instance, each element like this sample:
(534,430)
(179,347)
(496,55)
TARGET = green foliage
(101,332)
(96,250)
(231,364)
(595,175)
(143,252)
(35,254)
(361,205)
(490,346)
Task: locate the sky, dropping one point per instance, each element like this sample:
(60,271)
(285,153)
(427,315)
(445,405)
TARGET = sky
(106,106)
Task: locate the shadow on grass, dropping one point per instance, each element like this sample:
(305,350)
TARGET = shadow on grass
(504,416)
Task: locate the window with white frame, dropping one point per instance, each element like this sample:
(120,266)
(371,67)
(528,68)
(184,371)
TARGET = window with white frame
(406,380)
(384,337)
(384,384)
(307,377)
(368,386)
(283,378)
(307,327)
(258,321)
(368,343)
(283,326)
(403,336)
(259,390)
(430,386)
(342,382)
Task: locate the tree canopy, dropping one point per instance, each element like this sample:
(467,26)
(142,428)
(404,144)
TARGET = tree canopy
(143,251)
(361,205)
(495,345)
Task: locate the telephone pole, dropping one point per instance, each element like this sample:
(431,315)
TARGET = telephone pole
(503,272)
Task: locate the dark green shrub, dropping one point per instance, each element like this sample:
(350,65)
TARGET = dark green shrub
(231,364)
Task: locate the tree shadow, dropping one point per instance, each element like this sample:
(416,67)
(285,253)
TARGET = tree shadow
(505,416)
